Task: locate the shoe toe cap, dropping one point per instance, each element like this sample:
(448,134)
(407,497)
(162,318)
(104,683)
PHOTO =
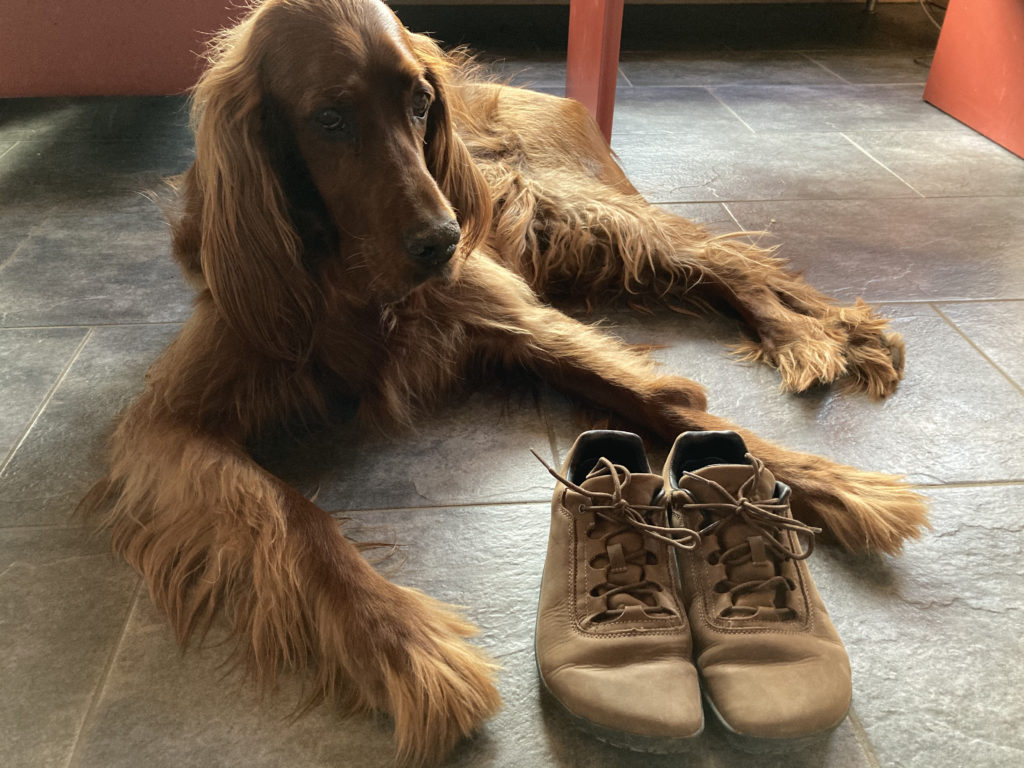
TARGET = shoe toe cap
(781,700)
(658,698)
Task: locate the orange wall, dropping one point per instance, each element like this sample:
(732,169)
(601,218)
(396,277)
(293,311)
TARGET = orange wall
(78,47)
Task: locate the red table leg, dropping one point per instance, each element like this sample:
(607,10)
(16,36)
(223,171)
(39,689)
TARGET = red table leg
(977,75)
(595,29)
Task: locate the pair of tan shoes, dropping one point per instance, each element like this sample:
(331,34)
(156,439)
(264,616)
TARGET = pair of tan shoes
(628,635)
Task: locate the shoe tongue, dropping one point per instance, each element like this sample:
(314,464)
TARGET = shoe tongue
(762,564)
(731,477)
(641,489)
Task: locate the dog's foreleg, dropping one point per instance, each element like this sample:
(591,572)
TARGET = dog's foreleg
(214,534)
(862,510)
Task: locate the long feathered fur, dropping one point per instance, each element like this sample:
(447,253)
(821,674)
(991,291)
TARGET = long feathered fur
(306,250)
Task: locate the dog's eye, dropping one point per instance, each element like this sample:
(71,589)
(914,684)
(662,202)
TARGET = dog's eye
(331,120)
(421,104)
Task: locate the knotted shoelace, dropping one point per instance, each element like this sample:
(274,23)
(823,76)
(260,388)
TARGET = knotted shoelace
(766,517)
(623,514)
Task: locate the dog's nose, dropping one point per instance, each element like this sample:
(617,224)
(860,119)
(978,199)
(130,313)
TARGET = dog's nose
(433,244)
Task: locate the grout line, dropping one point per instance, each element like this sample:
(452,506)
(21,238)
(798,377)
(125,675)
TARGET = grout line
(946,301)
(139,323)
(48,527)
(880,163)
(774,200)
(15,252)
(879,198)
(732,216)
(430,507)
(862,738)
(977,349)
(625,77)
(971,484)
(4,153)
(819,64)
(97,695)
(45,401)
(731,110)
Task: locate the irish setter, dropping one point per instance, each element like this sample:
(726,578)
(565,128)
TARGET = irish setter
(366,218)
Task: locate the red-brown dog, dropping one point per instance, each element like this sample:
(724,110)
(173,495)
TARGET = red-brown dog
(365,218)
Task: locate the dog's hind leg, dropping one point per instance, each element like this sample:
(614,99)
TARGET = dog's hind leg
(575,227)
(213,533)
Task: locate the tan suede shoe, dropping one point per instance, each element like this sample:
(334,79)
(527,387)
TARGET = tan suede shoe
(613,646)
(772,665)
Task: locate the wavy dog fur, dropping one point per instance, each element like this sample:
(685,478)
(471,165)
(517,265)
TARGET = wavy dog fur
(335,152)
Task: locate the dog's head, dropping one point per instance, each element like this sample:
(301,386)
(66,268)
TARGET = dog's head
(326,168)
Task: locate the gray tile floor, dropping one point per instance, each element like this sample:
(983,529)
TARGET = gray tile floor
(818,137)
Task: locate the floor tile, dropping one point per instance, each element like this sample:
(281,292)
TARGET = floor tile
(702,167)
(31,361)
(875,68)
(893,250)
(939,427)
(90,118)
(943,163)
(63,603)
(673,111)
(835,108)
(164,709)
(16,223)
(933,634)
(996,328)
(486,558)
(714,216)
(105,265)
(475,449)
(540,71)
(79,173)
(710,68)
(63,454)
(71,118)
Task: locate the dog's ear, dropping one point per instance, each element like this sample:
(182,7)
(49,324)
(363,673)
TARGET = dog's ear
(249,250)
(448,159)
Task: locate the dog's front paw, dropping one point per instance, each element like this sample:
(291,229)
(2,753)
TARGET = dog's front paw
(438,688)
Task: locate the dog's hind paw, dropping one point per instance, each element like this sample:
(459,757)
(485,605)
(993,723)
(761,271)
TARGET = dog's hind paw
(813,358)
(848,346)
(876,365)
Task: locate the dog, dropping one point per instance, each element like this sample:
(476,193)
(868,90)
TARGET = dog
(368,218)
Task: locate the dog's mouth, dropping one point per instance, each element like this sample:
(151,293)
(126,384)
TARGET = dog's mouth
(440,270)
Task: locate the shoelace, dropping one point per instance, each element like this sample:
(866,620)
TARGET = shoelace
(766,517)
(619,511)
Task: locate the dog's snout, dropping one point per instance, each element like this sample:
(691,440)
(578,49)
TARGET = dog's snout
(433,244)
